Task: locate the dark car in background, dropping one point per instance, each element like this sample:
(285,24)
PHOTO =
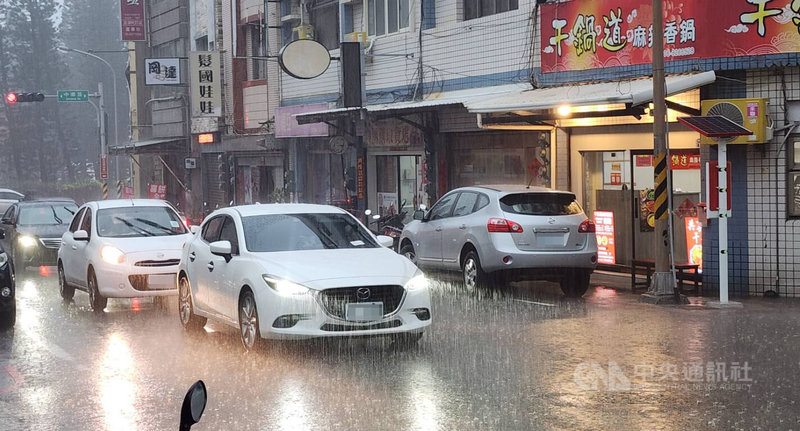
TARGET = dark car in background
(32,231)
(8,303)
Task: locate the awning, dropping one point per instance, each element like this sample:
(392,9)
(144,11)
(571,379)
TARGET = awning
(629,92)
(151,146)
(431,102)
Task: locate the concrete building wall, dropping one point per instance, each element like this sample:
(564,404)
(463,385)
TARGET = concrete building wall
(456,54)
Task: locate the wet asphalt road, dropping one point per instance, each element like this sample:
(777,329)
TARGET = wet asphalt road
(518,360)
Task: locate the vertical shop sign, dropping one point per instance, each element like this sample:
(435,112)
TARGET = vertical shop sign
(360,178)
(694,241)
(604,230)
(206,79)
(132,20)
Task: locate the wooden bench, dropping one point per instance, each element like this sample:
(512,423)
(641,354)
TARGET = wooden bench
(683,271)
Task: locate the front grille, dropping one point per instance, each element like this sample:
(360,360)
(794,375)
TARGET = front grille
(51,242)
(155,263)
(331,327)
(334,300)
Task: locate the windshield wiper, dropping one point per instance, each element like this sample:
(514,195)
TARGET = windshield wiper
(56,215)
(69,210)
(130,225)
(325,235)
(155,225)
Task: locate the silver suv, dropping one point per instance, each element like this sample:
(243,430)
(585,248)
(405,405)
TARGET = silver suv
(495,234)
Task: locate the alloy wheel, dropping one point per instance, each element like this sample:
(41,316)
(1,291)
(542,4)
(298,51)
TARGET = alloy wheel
(248,321)
(470,273)
(184,301)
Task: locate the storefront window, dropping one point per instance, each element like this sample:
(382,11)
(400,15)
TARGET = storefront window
(501,158)
(399,183)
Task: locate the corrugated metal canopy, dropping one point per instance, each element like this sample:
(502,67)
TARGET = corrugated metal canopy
(630,92)
(459,97)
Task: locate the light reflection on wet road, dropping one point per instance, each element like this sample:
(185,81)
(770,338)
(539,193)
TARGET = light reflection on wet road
(510,360)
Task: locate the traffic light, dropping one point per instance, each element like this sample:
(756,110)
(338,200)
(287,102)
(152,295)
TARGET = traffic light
(13,97)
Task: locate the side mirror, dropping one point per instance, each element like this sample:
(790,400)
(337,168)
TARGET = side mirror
(6,221)
(222,248)
(419,215)
(194,404)
(368,212)
(385,241)
(80,235)
(194,229)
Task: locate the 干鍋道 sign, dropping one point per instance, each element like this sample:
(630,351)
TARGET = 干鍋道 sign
(583,34)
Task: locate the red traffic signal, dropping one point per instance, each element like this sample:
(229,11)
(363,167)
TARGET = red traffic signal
(24,97)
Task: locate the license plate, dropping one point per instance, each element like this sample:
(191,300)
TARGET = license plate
(161,282)
(363,311)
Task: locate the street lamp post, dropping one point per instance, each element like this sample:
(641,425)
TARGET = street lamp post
(113,83)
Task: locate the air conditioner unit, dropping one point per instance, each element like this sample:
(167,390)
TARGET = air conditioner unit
(752,114)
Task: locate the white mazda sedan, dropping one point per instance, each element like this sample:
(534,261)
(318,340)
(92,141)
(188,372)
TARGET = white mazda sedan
(121,249)
(294,271)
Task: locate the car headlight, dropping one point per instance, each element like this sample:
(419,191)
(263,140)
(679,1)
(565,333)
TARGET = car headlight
(3,259)
(417,282)
(285,287)
(112,255)
(27,241)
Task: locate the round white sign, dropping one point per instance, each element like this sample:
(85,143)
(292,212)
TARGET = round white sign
(304,59)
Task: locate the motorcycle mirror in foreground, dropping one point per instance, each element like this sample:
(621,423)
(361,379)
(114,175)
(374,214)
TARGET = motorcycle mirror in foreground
(193,405)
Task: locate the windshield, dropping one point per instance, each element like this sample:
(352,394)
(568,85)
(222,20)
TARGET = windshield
(138,221)
(547,204)
(47,214)
(290,232)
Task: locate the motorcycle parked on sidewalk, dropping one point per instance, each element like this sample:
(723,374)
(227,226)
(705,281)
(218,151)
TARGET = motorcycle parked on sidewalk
(390,225)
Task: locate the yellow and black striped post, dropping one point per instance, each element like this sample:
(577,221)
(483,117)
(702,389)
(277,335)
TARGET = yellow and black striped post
(105,191)
(662,207)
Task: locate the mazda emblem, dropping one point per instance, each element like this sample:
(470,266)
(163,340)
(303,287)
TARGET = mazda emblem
(363,293)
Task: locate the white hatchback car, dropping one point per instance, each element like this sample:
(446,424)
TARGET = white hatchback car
(297,271)
(121,249)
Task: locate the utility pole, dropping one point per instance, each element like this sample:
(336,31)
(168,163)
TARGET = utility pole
(662,289)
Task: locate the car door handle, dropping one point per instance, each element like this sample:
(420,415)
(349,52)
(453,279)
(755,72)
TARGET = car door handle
(438,228)
(74,247)
(210,266)
(192,256)
(463,226)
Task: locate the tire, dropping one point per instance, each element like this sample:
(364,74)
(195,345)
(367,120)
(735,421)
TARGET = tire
(575,284)
(67,290)
(406,341)
(473,275)
(248,322)
(189,320)
(9,320)
(97,301)
(407,250)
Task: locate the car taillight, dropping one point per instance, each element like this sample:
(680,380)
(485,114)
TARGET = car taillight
(503,225)
(586,227)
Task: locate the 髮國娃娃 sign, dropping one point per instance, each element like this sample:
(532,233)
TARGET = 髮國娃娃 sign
(580,35)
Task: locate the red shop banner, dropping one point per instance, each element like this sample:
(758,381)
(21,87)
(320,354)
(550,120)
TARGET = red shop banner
(157,191)
(684,159)
(584,34)
(606,242)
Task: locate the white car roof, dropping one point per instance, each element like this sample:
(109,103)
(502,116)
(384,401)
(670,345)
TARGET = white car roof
(261,209)
(12,191)
(122,203)
(515,188)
